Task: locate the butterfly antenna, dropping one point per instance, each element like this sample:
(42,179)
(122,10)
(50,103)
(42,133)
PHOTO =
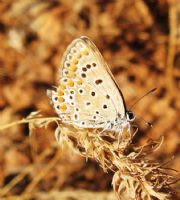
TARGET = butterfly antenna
(146,122)
(149,92)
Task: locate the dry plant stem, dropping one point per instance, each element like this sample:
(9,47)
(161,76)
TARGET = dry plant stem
(4,191)
(38,178)
(29,121)
(135,177)
(172,44)
(65,195)
(22,174)
(33,120)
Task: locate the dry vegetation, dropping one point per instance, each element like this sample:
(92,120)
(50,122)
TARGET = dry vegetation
(140,40)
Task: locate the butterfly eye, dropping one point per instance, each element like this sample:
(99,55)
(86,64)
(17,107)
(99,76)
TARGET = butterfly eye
(130,116)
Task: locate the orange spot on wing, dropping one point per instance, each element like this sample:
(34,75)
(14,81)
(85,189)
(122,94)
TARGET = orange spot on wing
(70,83)
(79,82)
(75,62)
(63,107)
(71,74)
(72,68)
(79,55)
(60,93)
(62,86)
(85,52)
(60,99)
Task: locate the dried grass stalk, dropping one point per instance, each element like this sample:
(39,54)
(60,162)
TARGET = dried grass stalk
(135,177)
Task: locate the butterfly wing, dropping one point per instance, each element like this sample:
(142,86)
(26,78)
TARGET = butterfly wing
(88,95)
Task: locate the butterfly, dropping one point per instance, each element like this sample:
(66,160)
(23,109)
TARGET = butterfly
(88,95)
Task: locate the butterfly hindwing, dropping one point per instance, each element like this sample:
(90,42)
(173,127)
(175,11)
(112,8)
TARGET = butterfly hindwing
(88,95)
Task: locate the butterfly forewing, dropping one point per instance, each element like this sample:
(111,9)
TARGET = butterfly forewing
(87,95)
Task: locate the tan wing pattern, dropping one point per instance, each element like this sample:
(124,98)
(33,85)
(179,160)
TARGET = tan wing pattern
(87,95)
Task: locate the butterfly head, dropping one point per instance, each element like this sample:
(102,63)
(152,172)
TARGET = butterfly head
(130,116)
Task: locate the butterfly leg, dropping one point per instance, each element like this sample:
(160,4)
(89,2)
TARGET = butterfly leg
(136,130)
(107,126)
(128,127)
(119,136)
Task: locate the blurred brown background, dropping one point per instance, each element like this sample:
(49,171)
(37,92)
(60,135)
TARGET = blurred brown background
(140,40)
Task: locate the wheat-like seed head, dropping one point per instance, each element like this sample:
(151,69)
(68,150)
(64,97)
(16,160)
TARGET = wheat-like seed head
(135,177)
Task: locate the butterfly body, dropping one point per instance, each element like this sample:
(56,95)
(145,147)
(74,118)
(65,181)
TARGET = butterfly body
(88,95)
